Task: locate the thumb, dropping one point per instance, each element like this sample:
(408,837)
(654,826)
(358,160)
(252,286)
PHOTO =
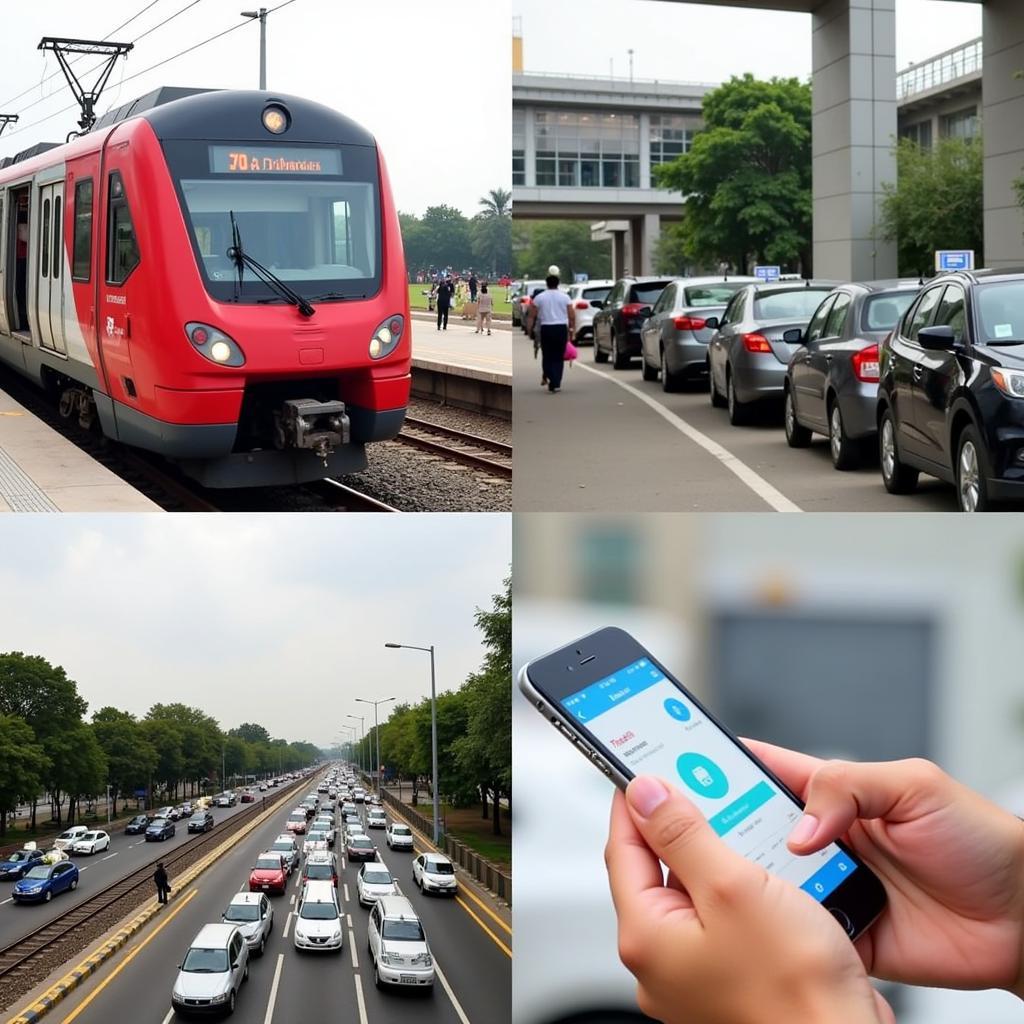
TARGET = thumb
(674,828)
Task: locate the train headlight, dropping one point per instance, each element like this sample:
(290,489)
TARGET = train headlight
(275,119)
(387,336)
(214,345)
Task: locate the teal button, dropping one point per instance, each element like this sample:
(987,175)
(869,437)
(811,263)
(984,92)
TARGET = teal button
(702,775)
(742,808)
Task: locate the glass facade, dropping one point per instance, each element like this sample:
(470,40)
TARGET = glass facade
(586,149)
(920,132)
(670,137)
(962,124)
(518,147)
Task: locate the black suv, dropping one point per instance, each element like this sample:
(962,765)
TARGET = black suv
(617,325)
(951,389)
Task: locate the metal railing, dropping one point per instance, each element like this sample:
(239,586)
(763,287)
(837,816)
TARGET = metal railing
(940,70)
(617,79)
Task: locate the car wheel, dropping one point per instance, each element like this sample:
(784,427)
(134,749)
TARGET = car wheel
(600,356)
(971,485)
(649,372)
(669,380)
(263,945)
(231,1003)
(717,401)
(619,360)
(245,973)
(74,884)
(48,896)
(844,450)
(376,975)
(738,411)
(897,477)
(797,435)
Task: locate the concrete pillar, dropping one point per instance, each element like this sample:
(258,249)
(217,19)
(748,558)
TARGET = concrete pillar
(1002,126)
(530,148)
(618,254)
(853,56)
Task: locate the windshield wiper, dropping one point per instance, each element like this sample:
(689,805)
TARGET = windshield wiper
(1002,342)
(337,295)
(243,259)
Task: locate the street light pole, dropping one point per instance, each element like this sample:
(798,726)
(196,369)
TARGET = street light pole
(261,15)
(362,736)
(433,734)
(376,729)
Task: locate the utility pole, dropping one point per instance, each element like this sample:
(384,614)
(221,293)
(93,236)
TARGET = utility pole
(362,736)
(376,729)
(261,15)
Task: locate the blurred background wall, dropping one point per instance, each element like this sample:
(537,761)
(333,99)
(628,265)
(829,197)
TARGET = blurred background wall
(868,637)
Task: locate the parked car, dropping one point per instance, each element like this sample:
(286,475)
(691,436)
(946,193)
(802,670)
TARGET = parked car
(398,836)
(67,838)
(587,298)
(201,821)
(951,394)
(159,829)
(44,881)
(617,324)
(318,921)
(674,338)
(747,356)
(137,825)
(91,842)
(252,914)
(522,297)
(434,872)
(831,383)
(16,865)
(269,873)
(212,972)
(398,944)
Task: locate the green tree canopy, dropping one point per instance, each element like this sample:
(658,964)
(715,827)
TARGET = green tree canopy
(131,758)
(22,765)
(537,244)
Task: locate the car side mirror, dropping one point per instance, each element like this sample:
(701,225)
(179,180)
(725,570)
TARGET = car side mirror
(794,336)
(645,312)
(712,323)
(597,303)
(936,339)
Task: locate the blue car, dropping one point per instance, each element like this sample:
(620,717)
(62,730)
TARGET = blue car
(159,829)
(15,865)
(44,881)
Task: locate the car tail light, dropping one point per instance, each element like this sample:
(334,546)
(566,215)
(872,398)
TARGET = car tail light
(756,343)
(632,308)
(689,323)
(865,364)
(582,305)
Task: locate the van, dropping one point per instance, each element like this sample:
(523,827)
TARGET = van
(214,968)
(398,944)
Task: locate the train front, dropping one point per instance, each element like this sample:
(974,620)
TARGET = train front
(284,347)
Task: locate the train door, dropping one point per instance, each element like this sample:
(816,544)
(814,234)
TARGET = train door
(16,284)
(50,268)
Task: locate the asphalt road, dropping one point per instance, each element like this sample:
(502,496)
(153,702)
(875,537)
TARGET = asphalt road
(597,446)
(287,986)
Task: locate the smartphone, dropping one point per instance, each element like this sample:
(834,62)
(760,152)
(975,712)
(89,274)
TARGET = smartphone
(629,716)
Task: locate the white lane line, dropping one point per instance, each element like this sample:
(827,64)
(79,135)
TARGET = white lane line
(343,862)
(348,920)
(287,924)
(8,900)
(273,989)
(85,867)
(344,886)
(170,1015)
(352,947)
(109,855)
(451,994)
(360,1002)
(770,495)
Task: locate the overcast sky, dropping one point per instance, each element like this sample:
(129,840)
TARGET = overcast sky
(703,43)
(432,87)
(279,619)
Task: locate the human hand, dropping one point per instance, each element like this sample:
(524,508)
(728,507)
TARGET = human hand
(952,864)
(723,942)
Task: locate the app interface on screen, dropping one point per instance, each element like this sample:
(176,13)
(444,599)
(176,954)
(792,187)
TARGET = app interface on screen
(654,729)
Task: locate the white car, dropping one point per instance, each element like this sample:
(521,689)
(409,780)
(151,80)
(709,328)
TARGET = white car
(398,836)
(67,839)
(252,914)
(91,842)
(376,818)
(325,825)
(214,968)
(315,841)
(587,298)
(359,794)
(398,944)
(373,881)
(434,872)
(318,922)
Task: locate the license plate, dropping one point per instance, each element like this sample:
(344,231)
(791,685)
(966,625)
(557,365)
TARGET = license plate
(264,886)
(407,979)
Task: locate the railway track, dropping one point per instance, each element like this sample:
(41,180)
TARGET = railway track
(63,937)
(453,445)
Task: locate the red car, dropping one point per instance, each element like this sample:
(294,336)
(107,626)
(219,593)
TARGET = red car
(360,847)
(269,874)
(248,797)
(297,823)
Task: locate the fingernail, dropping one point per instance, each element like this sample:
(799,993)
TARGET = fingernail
(644,794)
(804,830)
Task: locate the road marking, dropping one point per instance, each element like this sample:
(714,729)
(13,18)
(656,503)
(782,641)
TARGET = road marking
(85,867)
(464,891)
(170,1014)
(287,924)
(273,989)
(344,886)
(182,902)
(501,945)
(109,855)
(451,994)
(360,1002)
(291,900)
(8,900)
(352,947)
(770,495)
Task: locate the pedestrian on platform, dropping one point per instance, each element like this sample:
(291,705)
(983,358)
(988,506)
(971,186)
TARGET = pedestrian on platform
(485,307)
(553,312)
(163,885)
(443,300)
(473,286)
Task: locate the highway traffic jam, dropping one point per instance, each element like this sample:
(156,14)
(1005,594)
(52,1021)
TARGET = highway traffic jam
(330,878)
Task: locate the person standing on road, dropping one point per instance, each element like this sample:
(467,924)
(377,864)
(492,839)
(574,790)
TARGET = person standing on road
(444,303)
(163,885)
(552,309)
(484,309)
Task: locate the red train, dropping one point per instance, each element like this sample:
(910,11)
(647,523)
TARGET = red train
(216,276)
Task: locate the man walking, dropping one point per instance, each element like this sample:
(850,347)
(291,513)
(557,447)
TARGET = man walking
(553,310)
(163,885)
(444,302)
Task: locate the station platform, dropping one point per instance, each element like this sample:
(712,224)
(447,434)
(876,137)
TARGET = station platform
(459,348)
(40,471)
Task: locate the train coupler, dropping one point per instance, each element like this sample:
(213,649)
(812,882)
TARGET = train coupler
(318,426)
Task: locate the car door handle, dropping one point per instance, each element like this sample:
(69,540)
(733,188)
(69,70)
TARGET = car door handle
(918,372)
(828,357)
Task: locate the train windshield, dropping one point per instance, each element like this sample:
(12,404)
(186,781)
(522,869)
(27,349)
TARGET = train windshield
(309,215)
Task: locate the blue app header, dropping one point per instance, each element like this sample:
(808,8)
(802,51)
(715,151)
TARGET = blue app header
(586,704)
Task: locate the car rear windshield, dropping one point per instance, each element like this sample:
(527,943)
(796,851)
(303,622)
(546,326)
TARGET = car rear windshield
(268,864)
(798,304)
(647,294)
(710,294)
(360,843)
(881,312)
(1000,312)
(320,872)
(318,911)
(403,931)
(206,961)
(242,912)
(595,294)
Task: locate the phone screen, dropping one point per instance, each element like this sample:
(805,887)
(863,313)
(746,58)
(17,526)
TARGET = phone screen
(650,726)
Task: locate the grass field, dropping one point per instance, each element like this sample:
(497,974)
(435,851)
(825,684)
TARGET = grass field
(417,300)
(467,826)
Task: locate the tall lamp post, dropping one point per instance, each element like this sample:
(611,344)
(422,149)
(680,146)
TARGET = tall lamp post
(362,736)
(433,732)
(261,16)
(376,729)
(351,740)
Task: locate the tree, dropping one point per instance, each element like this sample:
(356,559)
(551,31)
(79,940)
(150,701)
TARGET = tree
(497,203)
(250,732)
(566,243)
(491,239)
(79,769)
(166,737)
(22,764)
(747,177)
(936,202)
(131,758)
(441,238)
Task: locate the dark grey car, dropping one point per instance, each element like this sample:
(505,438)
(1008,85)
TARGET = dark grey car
(747,356)
(831,384)
(674,339)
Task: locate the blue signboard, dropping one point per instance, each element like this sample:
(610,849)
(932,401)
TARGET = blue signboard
(947,260)
(768,273)
(140,792)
